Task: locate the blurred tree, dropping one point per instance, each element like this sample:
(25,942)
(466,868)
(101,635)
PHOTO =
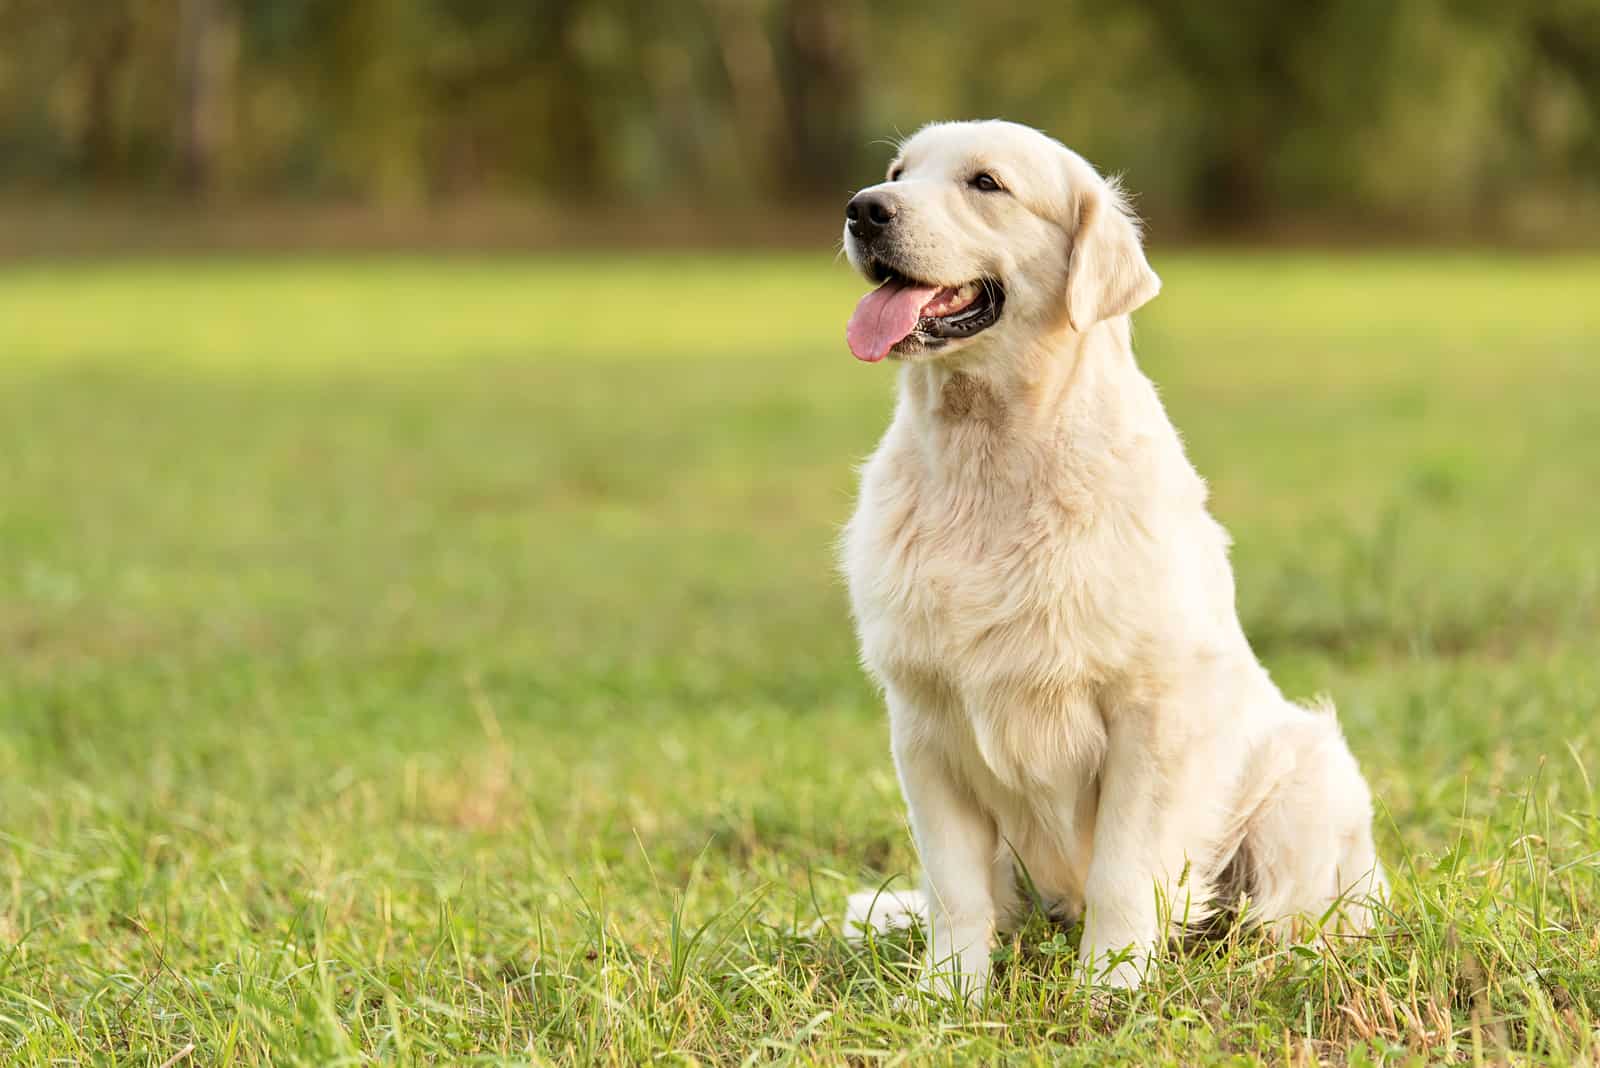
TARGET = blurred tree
(1244,72)
(208,42)
(1448,114)
(818,45)
(106,51)
(756,93)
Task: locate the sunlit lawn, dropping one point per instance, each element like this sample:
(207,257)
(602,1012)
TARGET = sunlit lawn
(421,660)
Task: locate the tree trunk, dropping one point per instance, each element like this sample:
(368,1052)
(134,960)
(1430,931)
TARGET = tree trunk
(819,44)
(753,77)
(208,45)
(101,148)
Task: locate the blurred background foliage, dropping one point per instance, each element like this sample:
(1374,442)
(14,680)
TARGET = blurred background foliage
(1459,118)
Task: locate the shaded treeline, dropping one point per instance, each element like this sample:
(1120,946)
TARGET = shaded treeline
(1446,115)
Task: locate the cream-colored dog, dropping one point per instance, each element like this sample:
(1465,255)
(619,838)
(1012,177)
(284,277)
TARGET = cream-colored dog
(1044,598)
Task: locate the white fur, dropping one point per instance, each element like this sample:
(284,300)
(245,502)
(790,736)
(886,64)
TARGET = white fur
(1049,608)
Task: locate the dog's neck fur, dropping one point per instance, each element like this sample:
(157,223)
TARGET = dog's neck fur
(996,416)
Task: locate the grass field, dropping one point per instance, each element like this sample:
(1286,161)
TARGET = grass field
(420,661)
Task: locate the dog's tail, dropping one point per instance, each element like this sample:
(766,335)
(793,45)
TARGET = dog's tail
(883,910)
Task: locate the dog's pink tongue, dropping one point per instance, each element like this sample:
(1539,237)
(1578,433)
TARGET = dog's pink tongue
(884,317)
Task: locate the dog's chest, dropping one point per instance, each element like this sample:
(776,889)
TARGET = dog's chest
(977,587)
(975,613)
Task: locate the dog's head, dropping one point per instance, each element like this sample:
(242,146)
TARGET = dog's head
(987,234)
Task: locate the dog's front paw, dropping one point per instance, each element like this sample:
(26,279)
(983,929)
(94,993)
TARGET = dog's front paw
(1125,970)
(949,986)
(945,984)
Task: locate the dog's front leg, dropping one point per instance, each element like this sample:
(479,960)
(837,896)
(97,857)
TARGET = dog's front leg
(1145,826)
(957,842)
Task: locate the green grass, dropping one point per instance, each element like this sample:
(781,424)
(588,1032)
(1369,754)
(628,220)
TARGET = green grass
(423,661)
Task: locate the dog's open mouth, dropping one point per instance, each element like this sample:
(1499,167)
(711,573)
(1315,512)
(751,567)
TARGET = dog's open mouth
(907,315)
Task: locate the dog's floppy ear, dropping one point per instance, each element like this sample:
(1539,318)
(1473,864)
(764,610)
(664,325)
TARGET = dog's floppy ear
(1107,274)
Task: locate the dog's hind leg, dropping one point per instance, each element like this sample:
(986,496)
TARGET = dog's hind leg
(1309,843)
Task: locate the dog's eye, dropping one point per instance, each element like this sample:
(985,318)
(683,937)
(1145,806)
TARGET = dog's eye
(894,175)
(985,182)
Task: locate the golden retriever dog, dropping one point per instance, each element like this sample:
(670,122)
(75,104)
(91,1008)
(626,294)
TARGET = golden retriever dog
(1045,600)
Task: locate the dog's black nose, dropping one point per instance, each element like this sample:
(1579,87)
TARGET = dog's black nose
(869,214)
